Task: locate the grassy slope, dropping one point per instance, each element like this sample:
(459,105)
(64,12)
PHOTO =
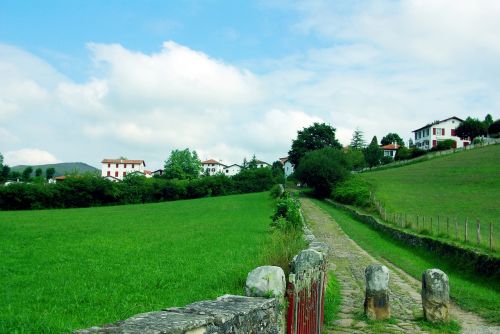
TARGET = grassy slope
(73,268)
(473,293)
(462,185)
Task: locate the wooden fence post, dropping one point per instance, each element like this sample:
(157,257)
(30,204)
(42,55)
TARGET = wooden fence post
(478,232)
(466,222)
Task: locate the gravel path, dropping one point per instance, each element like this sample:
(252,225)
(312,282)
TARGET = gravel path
(349,260)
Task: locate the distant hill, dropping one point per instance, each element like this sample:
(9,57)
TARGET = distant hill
(61,168)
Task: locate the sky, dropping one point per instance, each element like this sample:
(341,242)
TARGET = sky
(85,80)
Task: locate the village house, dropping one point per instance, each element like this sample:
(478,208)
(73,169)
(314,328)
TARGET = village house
(287,166)
(119,168)
(232,170)
(262,164)
(390,150)
(212,167)
(428,136)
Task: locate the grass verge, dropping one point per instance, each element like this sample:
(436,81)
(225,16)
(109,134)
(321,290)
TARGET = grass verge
(467,290)
(333,298)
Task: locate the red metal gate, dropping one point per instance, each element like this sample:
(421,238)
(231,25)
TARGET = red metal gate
(306,293)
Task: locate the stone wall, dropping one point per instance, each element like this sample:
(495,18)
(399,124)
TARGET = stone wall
(464,258)
(226,314)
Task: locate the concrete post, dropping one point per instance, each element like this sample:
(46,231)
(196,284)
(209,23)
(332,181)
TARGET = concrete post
(377,292)
(435,295)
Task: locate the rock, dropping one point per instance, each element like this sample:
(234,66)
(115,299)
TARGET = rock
(435,295)
(377,292)
(266,281)
(306,260)
(319,246)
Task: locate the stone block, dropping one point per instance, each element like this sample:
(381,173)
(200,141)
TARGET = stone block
(266,281)
(307,259)
(435,295)
(376,304)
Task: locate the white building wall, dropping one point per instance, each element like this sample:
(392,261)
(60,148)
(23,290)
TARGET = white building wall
(232,170)
(425,138)
(288,167)
(212,168)
(118,169)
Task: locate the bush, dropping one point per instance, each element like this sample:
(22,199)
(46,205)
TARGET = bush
(386,160)
(403,153)
(276,191)
(444,145)
(353,191)
(322,169)
(416,152)
(287,214)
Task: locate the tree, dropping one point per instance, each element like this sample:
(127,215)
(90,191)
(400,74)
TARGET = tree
(392,138)
(1,160)
(312,138)
(252,164)
(494,128)
(244,165)
(357,141)
(182,164)
(356,158)
(373,153)
(49,173)
(322,169)
(27,173)
(488,120)
(470,128)
(278,171)
(38,172)
(4,173)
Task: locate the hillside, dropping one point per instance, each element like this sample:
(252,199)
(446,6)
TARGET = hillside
(61,168)
(459,186)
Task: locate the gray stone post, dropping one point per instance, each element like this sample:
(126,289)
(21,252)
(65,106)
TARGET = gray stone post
(435,295)
(269,282)
(377,292)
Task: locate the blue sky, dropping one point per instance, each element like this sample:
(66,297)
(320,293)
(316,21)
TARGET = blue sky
(87,80)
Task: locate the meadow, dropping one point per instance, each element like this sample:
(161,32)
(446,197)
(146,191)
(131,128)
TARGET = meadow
(73,268)
(471,292)
(457,187)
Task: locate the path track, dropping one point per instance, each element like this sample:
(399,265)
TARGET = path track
(349,260)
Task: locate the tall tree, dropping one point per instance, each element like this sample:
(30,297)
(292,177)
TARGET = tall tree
(494,128)
(244,165)
(392,138)
(488,120)
(50,172)
(1,160)
(27,173)
(252,164)
(38,172)
(471,127)
(312,138)
(4,173)
(182,164)
(373,153)
(357,141)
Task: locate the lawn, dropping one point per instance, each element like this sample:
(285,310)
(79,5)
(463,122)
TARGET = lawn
(460,186)
(469,291)
(62,270)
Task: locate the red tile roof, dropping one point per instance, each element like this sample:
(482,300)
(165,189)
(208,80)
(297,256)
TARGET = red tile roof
(210,161)
(119,161)
(390,147)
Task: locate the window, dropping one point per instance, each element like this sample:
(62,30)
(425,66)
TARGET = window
(133,165)
(116,165)
(109,173)
(227,170)
(213,169)
(453,132)
(116,174)
(109,165)
(124,174)
(125,166)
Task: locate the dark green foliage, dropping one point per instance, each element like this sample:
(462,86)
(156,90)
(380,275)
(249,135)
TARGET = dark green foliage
(322,169)
(90,190)
(4,173)
(312,138)
(357,141)
(50,172)
(403,153)
(471,127)
(252,164)
(278,172)
(392,138)
(182,164)
(276,191)
(27,174)
(444,145)
(38,172)
(416,152)
(494,128)
(488,120)
(356,158)
(386,160)
(352,191)
(287,214)
(373,153)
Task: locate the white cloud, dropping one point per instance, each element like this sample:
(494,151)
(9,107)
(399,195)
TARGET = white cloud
(29,156)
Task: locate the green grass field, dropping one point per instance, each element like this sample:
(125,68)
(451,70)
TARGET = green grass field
(62,270)
(464,185)
(469,291)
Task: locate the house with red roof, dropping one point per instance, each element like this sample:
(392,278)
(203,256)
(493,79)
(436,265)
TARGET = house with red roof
(390,150)
(119,168)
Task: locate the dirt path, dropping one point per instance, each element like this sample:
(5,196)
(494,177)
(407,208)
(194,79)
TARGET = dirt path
(349,261)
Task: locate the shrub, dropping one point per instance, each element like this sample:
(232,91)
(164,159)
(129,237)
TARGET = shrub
(444,145)
(403,153)
(416,152)
(353,191)
(386,160)
(276,191)
(287,214)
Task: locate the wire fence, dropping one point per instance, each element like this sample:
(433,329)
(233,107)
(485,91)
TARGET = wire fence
(470,232)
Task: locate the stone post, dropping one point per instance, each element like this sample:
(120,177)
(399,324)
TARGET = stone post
(377,292)
(435,295)
(269,282)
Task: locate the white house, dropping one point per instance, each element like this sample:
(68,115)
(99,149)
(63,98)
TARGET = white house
(428,136)
(287,166)
(232,170)
(212,167)
(390,150)
(119,168)
(262,164)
